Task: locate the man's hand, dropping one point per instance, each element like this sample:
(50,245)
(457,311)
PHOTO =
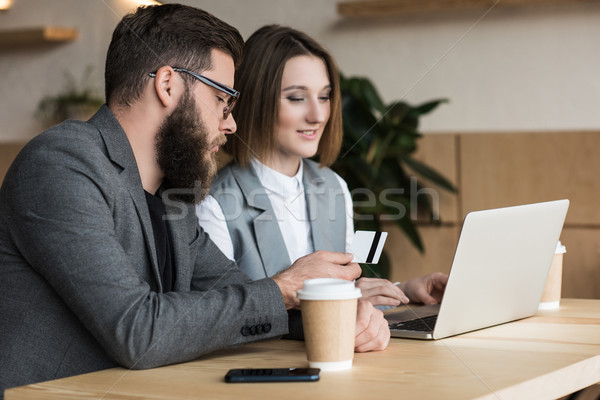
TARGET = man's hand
(372,331)
(381,292)
(427,289)
(320,264)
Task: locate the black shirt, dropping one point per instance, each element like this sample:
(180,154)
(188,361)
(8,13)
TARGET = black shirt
(162,240)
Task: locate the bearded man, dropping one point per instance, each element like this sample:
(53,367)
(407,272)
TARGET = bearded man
(102,262)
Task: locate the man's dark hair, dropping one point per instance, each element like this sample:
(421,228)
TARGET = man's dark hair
(170,34)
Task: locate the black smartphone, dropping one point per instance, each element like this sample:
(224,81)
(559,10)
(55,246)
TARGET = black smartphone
(273,375)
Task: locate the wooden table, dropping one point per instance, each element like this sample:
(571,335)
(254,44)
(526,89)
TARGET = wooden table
(546,356)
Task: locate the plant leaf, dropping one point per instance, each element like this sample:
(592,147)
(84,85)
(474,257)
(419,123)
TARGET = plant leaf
(411,232)
(376,151)
(429,173)
(429,106)
(363,89)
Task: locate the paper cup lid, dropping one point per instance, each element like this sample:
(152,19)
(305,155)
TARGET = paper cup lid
(328,289)
(560,249)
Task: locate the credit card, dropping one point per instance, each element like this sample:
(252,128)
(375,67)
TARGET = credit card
(367,246)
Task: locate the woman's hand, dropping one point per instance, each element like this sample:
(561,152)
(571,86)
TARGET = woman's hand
(381,292)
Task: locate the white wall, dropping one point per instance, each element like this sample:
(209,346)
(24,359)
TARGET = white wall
(534,68)
(27,74)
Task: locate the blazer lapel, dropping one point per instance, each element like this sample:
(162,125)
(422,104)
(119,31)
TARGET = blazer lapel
(269,239)
(316,211)
(327,220)
(120,152)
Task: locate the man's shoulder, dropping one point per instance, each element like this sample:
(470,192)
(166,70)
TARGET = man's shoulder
(69,146)
(70,135)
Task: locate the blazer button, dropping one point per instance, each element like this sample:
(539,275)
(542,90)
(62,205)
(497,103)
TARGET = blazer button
(266,328)
(253,330)
(245,330)
(259,329)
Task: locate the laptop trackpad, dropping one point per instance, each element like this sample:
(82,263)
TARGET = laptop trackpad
(410,312)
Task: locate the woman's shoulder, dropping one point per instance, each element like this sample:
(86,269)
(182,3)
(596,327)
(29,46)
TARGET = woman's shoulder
(230,177)
(223,179)
(323,172)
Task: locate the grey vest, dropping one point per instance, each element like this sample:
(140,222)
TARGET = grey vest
(259,248)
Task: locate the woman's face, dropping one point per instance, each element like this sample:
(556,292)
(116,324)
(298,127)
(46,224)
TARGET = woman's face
(304,109)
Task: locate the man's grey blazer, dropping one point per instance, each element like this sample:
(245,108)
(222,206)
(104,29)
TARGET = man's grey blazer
(79,282)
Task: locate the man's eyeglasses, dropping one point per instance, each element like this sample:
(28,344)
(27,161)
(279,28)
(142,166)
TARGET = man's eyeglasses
(233,94)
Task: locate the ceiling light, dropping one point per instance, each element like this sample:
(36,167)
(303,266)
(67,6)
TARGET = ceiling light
(148,2)
(5,5)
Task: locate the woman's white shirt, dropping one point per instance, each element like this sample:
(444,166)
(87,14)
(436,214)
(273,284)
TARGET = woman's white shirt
(288,201)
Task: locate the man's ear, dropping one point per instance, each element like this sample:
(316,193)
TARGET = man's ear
(165,84)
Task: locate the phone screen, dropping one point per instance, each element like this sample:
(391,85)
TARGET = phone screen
(273,375)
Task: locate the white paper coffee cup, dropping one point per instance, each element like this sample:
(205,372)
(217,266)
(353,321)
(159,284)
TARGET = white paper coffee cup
(552,291)
(329,319)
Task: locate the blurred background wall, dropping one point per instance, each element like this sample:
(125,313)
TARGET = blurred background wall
(514,69)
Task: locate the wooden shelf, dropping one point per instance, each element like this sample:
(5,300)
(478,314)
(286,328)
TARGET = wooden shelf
(35,36)
(382,8)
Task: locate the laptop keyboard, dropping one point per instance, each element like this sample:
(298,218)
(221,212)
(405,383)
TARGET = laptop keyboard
(424,324)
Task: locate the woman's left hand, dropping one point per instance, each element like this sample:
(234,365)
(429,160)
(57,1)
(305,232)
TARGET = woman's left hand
(381,292)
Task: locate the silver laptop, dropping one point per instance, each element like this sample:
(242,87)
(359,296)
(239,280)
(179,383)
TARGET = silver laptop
(498,274)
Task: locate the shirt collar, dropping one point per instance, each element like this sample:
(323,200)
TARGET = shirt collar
(278,183)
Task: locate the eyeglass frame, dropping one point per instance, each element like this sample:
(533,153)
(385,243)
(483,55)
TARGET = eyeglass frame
(233,94)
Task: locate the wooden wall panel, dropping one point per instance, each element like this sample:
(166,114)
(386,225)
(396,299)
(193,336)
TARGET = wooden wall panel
(8,152)
(407,262)
(581,263)
(439,151)
(498,170)
(504,169)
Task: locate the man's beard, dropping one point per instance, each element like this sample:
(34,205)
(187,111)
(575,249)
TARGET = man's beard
(184,154)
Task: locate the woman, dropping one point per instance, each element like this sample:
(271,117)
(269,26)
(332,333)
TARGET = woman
(272,205)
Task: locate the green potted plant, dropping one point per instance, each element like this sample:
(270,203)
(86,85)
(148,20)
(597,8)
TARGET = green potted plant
(377,159)
(78,100)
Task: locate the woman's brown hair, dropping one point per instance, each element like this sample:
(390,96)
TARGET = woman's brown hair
(259,81)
